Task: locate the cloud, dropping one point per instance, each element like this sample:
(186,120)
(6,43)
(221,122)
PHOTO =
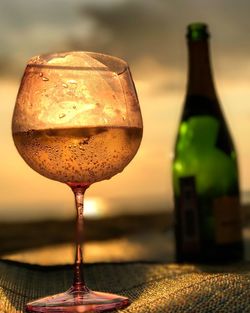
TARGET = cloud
(135,29)
(28,28)
(157,28)
(132,29)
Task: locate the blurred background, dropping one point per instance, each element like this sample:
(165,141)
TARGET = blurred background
(150,35)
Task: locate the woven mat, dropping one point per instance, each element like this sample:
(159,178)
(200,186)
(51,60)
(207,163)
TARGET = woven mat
(153,288)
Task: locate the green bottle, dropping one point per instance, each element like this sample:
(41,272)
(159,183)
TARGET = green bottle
(205,173)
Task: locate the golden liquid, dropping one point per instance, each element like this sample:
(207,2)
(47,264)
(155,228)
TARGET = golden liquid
(84,154)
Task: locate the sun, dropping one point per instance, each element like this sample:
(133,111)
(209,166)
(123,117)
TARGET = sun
(94,207)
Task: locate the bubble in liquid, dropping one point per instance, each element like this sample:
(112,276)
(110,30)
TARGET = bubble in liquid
(45,79)
(41,74)
(65,85)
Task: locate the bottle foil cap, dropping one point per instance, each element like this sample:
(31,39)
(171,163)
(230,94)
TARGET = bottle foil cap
(197,31)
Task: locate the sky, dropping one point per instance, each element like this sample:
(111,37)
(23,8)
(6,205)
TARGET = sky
(150,35)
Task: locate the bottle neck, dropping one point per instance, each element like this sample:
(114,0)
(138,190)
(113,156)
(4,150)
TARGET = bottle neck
(200,79)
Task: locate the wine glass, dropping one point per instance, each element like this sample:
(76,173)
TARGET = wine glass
(77,120)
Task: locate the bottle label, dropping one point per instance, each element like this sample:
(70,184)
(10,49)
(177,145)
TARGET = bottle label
(189,219)
(226,212)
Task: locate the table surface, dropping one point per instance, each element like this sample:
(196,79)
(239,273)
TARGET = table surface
(114,265)
(151,287)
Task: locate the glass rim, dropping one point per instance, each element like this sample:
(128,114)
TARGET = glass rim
(42,61)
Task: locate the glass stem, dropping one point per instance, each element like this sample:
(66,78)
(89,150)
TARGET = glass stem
(78,283)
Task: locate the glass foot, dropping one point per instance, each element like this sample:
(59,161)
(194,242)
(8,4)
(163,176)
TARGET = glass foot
(78,301)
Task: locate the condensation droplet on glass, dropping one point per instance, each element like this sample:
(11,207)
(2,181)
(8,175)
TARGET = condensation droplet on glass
(65,85)
(45,79)
(85,141)
(62,115)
